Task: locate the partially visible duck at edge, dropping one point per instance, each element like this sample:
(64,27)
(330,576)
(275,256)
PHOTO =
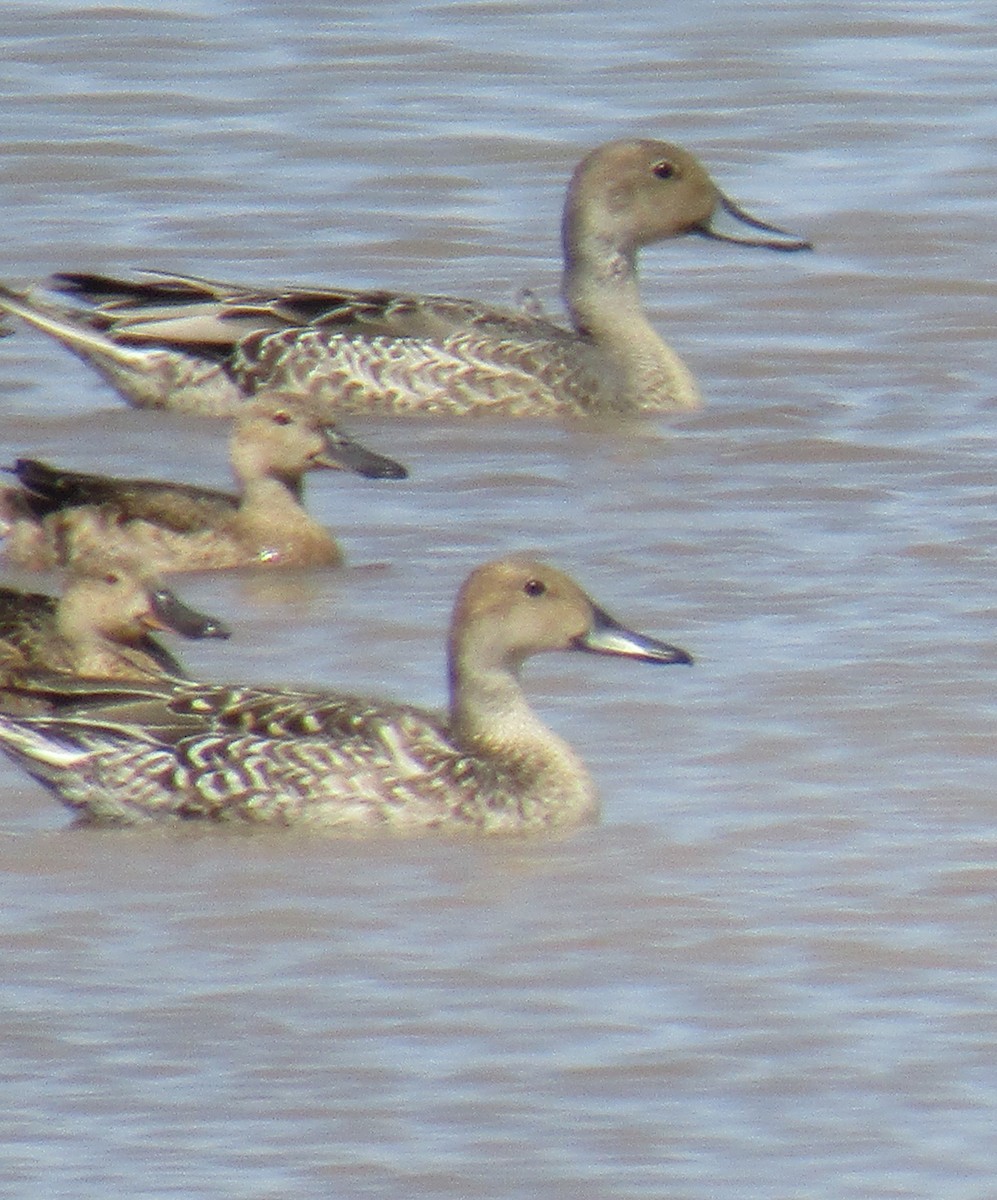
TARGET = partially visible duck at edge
(56,515)
(100,626)
(172,750)
(173,341)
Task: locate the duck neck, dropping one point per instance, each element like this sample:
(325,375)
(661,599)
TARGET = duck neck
(93,653)
(602,294)
(84,644)
(290,483)
(275,526)
(600,280)
(490,715)
(273,495)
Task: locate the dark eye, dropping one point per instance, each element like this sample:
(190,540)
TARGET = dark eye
(111,579)
(281,417)
(663,169)
(534,587)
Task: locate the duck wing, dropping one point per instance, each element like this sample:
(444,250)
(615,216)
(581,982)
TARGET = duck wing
(188,311)
(181,507)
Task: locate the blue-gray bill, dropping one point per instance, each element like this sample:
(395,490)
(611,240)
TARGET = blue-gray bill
(172,615)
(730,223)
(343,453)
(608,636)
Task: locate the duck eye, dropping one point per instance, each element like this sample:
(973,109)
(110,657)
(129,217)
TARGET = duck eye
(111,579)
(281,417)
(534,587)
(663,169)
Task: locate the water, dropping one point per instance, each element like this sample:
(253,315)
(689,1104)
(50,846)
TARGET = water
(770,972)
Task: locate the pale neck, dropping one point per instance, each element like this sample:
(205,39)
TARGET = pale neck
(252,469)
(275,493)
(603,296)
(490,714)
(99,656)
(272,522)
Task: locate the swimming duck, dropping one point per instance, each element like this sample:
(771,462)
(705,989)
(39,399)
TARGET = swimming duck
(57,514)
(174,750)
(174,341)
(100,625)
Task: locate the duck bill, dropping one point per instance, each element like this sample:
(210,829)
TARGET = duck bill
(343,453)
(170,615)
(730,223)
(610,637)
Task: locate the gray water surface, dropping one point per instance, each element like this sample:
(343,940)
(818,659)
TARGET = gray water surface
(770,972)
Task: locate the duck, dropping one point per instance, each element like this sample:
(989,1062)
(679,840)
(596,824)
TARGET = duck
(100,626)
(134,753)
(56,514)
(182,342)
